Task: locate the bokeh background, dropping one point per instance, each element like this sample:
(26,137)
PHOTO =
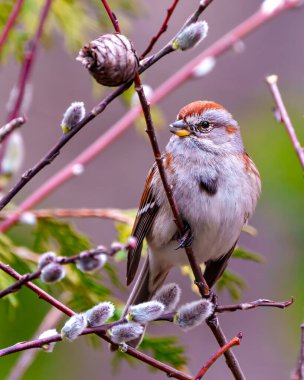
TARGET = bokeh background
(116,177)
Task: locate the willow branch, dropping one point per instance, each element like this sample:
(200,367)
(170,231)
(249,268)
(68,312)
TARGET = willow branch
(233,342)
(162,29)
(62,260)
(10,22)
(272,81)
(102,213)
(298,373)
(231,359)
(10,127)
(253,305)
(214,51)
(29,60)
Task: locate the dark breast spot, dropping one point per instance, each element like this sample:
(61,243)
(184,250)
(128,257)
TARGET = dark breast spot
(209,185)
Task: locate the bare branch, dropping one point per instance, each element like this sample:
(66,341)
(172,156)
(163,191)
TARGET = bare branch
(8,128)
(233,342)
(162,30)
(10,22)
(253,304)
(298,373)
(102,213)
(272,81)
(231,360)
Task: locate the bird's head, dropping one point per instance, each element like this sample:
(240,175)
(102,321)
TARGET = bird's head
(207,123)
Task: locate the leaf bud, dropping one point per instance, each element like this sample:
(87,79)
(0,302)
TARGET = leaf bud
(73,115)
(49,347)
(89,264)
(191,35)
(110,59)
(125,332)
(74,327)
(131,242)
(46,258)
(169,296)
(145,312)
(193,314)
(52,272)
(99,314)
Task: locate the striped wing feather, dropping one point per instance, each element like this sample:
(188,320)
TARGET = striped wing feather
(144,219)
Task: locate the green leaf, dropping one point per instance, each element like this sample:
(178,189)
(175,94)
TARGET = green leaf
(241,253)
(59,236)
(166,349)
(233,283)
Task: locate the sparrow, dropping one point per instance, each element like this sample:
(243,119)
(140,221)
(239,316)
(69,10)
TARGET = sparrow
(216,186)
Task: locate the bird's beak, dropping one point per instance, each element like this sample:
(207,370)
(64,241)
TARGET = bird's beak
(180,128)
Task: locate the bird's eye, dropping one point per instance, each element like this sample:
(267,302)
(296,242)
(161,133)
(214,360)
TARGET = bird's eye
(204,125)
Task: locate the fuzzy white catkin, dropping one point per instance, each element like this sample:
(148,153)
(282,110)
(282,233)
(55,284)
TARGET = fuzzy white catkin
(99,314)
(49,347)
(13,154)
(125,332)
(169,296)
(73,115)
(46,258)
(74,327)
(191,36)
(90,264)
(146,311)
(52,272)
(193,314)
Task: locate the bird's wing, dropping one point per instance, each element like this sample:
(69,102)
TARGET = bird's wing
(146,213)
(215,268)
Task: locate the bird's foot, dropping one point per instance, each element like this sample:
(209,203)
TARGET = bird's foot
(186,239)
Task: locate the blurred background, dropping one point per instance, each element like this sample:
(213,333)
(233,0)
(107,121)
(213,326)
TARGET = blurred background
(116,177)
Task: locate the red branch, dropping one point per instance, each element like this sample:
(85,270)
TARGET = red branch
(29,59)
(233,342)
(10,22)
(162,29)
(111,16)
(272,81)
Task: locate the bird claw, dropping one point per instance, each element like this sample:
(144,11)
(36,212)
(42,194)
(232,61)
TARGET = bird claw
(186,239)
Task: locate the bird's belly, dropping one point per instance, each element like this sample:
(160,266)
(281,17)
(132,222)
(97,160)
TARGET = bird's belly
(215,222)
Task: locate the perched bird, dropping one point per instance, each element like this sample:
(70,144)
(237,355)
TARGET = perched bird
(216,187)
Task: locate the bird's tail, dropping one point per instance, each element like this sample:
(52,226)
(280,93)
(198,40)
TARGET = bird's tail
(143,290)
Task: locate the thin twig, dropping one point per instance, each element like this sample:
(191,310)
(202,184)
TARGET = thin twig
(10,22)
(26,359)
(29,60)
(102,213)
(233,342)
(26,68)
(231,359)
(162,30)
(272,81)
(253,304)
(298,372)
(111,16)
(215,50)
(10,127)
(62,260)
